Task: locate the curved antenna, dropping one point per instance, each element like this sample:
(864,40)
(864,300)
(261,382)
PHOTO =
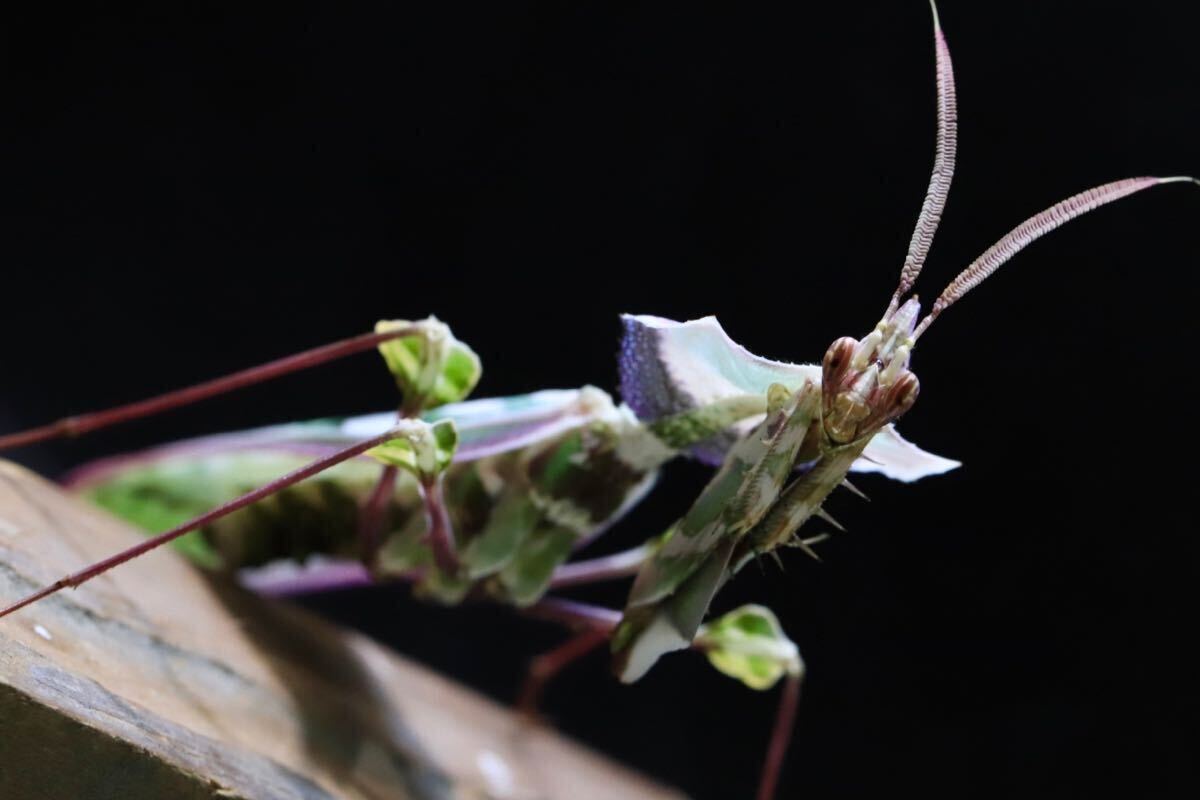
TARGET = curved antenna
(1032,229)
(943,168)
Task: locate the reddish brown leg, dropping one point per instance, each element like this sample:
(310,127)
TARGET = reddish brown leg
(100,567)
(781,735)
(85,423)
(374,516)
(546,667)
(595,624)
(441,530)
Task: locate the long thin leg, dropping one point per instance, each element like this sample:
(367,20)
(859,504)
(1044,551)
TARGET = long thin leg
(781,736)
(602,568)
(85,423)
(597,625)
(547,666)
(100,567)
(374,515)
(440,529)
(296,581)
(578,615)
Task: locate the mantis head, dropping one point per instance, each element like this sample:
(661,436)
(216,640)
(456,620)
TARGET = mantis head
(867,384)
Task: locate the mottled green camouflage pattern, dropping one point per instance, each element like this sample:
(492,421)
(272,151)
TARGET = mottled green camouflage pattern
(517,512)
(673,590)
(817,434)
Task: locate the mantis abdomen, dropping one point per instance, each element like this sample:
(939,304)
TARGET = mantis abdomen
(535,476)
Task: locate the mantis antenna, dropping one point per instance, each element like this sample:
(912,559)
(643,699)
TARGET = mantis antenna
(943,169)
(939,188)
(1032,229)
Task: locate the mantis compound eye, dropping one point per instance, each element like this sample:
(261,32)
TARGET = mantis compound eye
(836,365)
(900,396)
(838,357)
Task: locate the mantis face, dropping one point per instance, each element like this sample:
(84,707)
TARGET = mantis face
(867,384)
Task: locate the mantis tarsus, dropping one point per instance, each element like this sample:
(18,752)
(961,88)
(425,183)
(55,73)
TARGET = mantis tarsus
(516,521)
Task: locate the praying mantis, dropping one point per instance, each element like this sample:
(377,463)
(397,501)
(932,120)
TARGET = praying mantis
(784,436)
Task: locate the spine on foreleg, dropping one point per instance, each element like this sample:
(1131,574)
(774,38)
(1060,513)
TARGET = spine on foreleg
(801,500)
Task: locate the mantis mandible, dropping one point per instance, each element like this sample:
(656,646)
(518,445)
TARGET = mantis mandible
(492,497)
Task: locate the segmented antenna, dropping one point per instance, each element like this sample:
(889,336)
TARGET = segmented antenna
(1032,229)
(943,168)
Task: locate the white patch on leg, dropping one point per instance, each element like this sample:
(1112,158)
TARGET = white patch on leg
(657,640)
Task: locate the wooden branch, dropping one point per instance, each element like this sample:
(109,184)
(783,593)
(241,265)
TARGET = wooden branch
(156,680)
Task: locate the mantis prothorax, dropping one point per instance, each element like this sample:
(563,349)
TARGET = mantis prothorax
(492,497)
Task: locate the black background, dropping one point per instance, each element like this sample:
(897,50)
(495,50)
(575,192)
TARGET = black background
(194,190)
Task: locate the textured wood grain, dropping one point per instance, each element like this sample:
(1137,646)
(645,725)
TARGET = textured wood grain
(156,680)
